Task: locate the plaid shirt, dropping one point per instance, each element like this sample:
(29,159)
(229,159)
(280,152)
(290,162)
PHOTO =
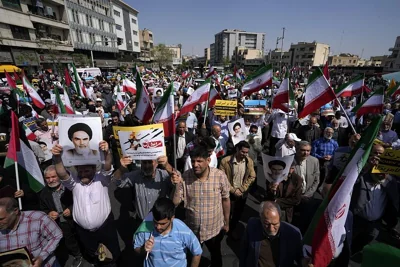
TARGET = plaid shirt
(35,231)
(323,147)
(203,202)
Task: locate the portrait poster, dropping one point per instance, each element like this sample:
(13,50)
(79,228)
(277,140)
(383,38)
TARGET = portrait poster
(237,130)
(389,163)
(142,142)
(18,257)
(177,85)
(254,107)
(80,137)
(232,93)
(276,169)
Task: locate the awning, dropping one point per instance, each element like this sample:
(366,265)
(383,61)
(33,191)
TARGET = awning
(9,68)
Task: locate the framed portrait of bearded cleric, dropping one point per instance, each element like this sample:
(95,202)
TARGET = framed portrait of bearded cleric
(237,130)
(276,169)
(80,137)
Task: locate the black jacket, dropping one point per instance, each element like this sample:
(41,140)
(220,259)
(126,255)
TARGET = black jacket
(47,202)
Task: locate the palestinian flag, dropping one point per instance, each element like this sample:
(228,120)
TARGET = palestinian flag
(20,152)
(144,107)
(80,88)
(147,226)
(165,111)
(36,99)
(67,76)
(282,95)
(374,104)
(352,88)
(120,101)
(259,80)
(318,93)
(129,86)
(324,236)
(199,96)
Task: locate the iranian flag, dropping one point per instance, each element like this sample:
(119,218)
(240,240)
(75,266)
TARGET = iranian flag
(20,152)
(211,72)
(28,132)
(318,93)
(16,77)
(165,111)
(68,107)
(185,74)
(62,109)
(324,237)
(214,95)
(374,104)
(259,80)
(144,107)
(67,76)
(36,99)
(80,88)
(236,74)
(352,88)
(10,81)
(129,86)
(120,100)
(282,95)
(199,96)
(326,72)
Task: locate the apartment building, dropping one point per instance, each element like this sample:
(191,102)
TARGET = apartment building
(146,45)
(212,53)
(309,54)
(176,54)
(241,54)
(34,33)
(274,58)
(207,54)
(392,62)
(344,60)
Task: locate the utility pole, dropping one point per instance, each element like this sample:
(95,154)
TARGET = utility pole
(281,38)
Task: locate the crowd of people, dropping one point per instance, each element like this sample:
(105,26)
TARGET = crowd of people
(202,198)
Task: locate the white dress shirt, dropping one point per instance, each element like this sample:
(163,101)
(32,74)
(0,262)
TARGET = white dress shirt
(91,202)
(280,124)
(191,120)
(180,150)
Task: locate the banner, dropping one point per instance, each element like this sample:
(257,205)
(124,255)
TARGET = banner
(276,169)
(389,163)
(142,142)
(254,107)
(225,107)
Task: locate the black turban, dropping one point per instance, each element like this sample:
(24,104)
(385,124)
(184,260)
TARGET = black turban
(277,162)
(79,127)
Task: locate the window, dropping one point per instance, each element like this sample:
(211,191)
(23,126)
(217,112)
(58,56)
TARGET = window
(14,4)
(20,33)
(111,27)
(134,21)
(117,13)
(101,25)
(136,43)
(76,17)
(134,32)
(118,27)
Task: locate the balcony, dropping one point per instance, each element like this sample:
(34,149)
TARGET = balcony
(37,15)
(12,4)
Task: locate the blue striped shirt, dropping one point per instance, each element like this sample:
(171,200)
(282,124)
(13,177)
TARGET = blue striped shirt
(170,250)
(323,147)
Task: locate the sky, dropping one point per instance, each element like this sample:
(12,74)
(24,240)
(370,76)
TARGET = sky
(369,27)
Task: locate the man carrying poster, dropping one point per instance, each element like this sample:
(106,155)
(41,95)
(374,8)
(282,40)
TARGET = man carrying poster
(237,130)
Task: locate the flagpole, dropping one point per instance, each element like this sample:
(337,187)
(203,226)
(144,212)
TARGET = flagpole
(18,186)
(347,117)
(206,107)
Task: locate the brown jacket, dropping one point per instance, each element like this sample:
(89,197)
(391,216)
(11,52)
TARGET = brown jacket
(226,166)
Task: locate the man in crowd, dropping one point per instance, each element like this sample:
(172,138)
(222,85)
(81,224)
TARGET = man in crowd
(57,202)
(387,136)
(92,207)
(255,144)
(310,132)
(220,141)
(268,241)
(239,169)
(167,244)
(206,200)
(287,146)
(31,229)
(183,138)
(207,143)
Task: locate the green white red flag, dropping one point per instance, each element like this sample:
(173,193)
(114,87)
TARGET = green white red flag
(324,237)
(144,107)
(20,152)
(29,134)
(10,81)
(374,104)
(318,93)
(79,86)
(120,100)
(36,99)
(258,81)
(199,96)
(352,88)
(165,111)
(281,99)
(128,86)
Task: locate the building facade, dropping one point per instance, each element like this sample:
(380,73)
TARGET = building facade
(344,60)
(212,54)
(242,54)
(146,45)
(309,54)
(392,62)
(207,54)
(274,58)
(127,28)
(34,33)
(227,40)
(176,54)
(378,61)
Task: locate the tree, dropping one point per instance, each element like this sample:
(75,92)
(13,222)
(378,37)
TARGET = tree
(162,55)
(81,60)
(227,62)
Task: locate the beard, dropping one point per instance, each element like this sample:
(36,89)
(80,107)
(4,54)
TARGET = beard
(329,137)
(82,151)
(54,184)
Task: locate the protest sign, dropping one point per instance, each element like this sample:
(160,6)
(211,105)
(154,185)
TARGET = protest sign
(225,107)
(142,142)
(276,169)
(254,107)
(237,130)
(16,257)
(80,137)
(232,93)
(389,162)
(177,85)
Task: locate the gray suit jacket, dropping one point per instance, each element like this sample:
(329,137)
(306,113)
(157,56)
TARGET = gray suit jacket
(312,175)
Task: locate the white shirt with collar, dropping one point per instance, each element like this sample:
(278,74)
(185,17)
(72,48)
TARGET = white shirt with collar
(180,150)
(280,123)
(91,202)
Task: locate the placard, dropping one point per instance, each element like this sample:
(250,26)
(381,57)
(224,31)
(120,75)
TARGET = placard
(237,130)
(142,142)
(80,137)
(225,107)
(177,85)
(254,107)
(389,163)
(276,169)
(17,257)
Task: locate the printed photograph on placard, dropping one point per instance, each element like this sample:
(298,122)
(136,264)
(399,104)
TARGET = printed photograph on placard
(142,142)
(80,137)
(237,130)
(18,257)
(276,169)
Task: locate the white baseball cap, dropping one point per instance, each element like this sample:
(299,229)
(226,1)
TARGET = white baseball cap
(293,136)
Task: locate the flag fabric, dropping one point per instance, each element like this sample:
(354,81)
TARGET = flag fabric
(214,95)
(16,76)
(20,152)
(326,231)
(144,108)
(36,99)
(129,86)
(352,88)
(219,150)
(68,106)
(326,72)
(11,83)
(185,74)
(374,104)
(282,95)
(199,96)
(165,111)
(318,93)
(67,76)
(236,74)
(211,72)
(147,226)
(367,89)
(396,92)
(29,134)
(120,100)
(392,87)
(80,88)
(60,104)
(259,80)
